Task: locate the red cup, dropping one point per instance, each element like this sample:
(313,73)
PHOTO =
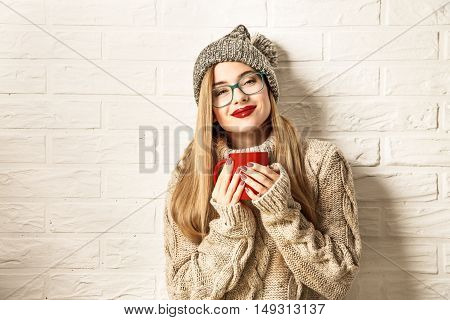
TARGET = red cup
(241,159)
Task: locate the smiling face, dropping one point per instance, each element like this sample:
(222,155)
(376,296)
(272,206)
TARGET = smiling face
(229,72)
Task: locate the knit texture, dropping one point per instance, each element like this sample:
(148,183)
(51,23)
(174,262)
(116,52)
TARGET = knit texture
(258,52)
(266,248)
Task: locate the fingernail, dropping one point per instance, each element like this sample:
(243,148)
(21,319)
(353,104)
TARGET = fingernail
(242,182)
(229,161)
(249,164)
(243,168)
(243,176)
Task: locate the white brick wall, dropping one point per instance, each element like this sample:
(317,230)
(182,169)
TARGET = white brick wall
(77,215)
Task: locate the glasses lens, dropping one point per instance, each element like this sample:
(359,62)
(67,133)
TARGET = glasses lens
(251,83)
(221,96)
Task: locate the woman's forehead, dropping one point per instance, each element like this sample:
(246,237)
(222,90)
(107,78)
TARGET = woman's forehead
(230,66)
(230,71)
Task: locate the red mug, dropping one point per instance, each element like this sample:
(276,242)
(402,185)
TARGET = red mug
(241,159)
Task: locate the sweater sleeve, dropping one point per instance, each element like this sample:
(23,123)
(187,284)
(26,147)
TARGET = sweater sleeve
(325,259)
(210,269)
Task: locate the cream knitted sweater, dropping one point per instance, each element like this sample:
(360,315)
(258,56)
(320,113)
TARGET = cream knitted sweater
(271,251)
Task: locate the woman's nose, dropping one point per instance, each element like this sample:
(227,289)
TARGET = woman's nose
(239,95)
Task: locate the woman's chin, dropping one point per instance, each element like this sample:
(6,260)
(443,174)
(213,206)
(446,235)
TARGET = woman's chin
(245,126)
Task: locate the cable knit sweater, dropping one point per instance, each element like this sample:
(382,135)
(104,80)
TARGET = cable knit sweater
(268,249)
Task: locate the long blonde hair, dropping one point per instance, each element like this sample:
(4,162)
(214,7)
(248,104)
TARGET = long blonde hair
(190,207)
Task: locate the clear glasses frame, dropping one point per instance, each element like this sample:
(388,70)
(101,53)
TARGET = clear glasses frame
(236,85)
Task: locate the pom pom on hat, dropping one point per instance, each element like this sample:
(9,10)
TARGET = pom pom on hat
(267,47)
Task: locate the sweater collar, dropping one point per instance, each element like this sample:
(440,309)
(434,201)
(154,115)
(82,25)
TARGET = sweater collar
(223,149)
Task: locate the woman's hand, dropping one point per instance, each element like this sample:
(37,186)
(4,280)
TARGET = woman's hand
(259,177)
(226,192)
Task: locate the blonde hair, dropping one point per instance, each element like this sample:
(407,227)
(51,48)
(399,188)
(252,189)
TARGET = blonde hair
(190,207)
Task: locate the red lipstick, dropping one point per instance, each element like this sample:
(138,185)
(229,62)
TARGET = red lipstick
(244,112)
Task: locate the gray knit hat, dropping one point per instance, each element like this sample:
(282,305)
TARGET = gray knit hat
(258,52)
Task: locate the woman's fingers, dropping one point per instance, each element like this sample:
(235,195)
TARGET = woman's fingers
(258,177)
(254,184)
(223,180)
(272,174)
(216,188)
(232,186)
(238,192)
(226,173)
(221,174)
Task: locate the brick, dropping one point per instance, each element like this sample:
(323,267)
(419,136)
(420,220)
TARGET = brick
(102,12)
(447,117)
(163,138)
(329,81)
(291,45)
(359,151)
(21,286)
(135,254)
(22,149)
(33,10)
(401,286)
(213,13)
(418,222)
(32,44)
(410,12)
(297,13)
(22,217)
(417,81)
(444,35)
(118,148)
(384,45)
(161,45)
(165,147)
(49,182)
(130,183)
(22,78)
(41,114)
(395,186)
(356,115)
(446,183)
(369,221)
(447,257)
(56,253)
(404,151)
(176,80)
(106,217)
(166,115)
(119,78)
(102,286)
(411,289)
(407,255)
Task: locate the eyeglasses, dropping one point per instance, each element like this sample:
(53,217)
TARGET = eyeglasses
(249,84)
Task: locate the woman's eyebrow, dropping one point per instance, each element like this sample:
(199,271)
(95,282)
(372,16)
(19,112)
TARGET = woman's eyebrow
(243,73)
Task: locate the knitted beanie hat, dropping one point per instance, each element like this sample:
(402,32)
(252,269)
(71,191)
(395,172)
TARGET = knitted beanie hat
(258,52)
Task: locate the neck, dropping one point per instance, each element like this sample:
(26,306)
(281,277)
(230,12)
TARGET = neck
(241,140)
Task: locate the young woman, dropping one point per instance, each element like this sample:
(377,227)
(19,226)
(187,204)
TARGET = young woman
(298,237)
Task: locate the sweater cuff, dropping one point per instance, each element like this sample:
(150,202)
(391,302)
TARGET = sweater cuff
(276,199)
(234,215)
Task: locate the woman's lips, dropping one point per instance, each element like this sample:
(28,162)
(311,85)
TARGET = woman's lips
(245,113)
